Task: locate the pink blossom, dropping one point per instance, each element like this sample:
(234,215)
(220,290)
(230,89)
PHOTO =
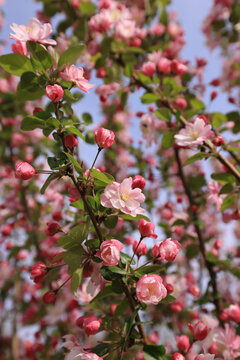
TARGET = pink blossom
(54,92)
(227,341)
(77,353)
(138,182)
(147,128)
(121,196)
(149,68)
(199,330)
(104,137)
(19,48)
(75,75)
(125,29)
(70,141)
(110,252)
(140,249)
(214,197)
(146,228)
(150,290)
(100,22)
(89,323)
(194,134)
(168,249)
(234,312)
(35,31)
(182,343)
(164,65)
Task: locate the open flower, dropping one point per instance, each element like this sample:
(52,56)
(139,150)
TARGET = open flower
(35,31)
(194,134)
(75,75)
(150,290)
(123,197)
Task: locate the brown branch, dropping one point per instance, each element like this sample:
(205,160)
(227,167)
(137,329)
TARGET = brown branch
(208,264)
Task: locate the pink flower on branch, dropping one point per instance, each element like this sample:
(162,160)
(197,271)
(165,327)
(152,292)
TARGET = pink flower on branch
(123,197)
(194,134)
(35,31)
(75,75)
(110,252)
(150,289)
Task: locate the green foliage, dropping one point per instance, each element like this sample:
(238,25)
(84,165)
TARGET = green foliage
(76,280)
(153,352)
(167,140)
(50,178)
(149,98)
(74,162)
(103,177)
(218,119)
(75,237)
(163,114)
(15,64)
(70,55)
(29,88)
(40,57)
(198,156)
(228,202)
(73,258)
(223,178)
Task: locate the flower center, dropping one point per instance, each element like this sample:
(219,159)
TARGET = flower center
(125,196)
(193,134)
(29,29)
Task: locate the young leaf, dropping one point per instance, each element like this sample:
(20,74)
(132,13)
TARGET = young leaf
(40,57)
(149,98)
(32,122)
(76,280)
(15,64)
(167,140)
(47,182)
(195,157)
(105,178)
(75,163)
(71,55)
(163,114)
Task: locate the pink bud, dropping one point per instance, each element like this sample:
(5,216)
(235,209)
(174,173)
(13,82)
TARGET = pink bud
(90,324)
(38,272)
(234,313)
(194,290)
(54,92)
(52,228)
(49,297)
(70,141)
(146,228)
(168,249)
(178,68)
(199,330)
(177,356)
(149,69)
(164,65)
(104,137)
(24,170)
(214,94)
(141,249)
(19,48)
(218,141)
(101,72)
(138,182)
(112,309)
(182,343)
(109,252)
(129,240)
(180,104)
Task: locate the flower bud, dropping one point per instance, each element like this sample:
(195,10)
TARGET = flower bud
(70,141)
(112,309)
(218,141)
(104,137)
(52,228)
(54,92)
(90,324)
(168,249)
(234,312)
(199,330)
(141,249)
(164,65)
(146,228)
(149,69)
(177,356)
(24,170)
(194,290)
(101,72)
(38,272)
(109,252)
(182,343)
(138,182)
(49,297)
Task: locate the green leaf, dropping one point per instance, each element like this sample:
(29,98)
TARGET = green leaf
(40,57)
(122,307)
(73,258)
(75,163)
(117,270)
(223,178)
(15,64)
(125,259)
(47,182)
(228,202)
(218,119)
(75,236)
(104,177)
(87,118)
(192,251)
(144,79)
(168,299)
(87,7)
(124,98)
(111,221)
(196,182)
(128,70)
(163,114)
(167,140)
(78,204)
(108,274)
(29,88)
(150,269)
(76,280)
(196,157)
(149,98)
(70,55)
(211,258)
(107,291)
(130,217)
(73,130)
(156,351)
(226,189)
(32,122)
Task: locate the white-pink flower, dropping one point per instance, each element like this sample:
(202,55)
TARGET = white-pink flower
(194,134)
(123,197)
(110,252)
(35,31)
(147,128)
(150,289)
(75,75)
(214,197)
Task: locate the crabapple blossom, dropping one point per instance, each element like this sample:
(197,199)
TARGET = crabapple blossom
(149,69)
(147,128)
(49,297)
(90,324)
(194,134)
(177,356)
(24,170)
(150,289)
(110,252)
(146,228)
(38,272)
(164,65)
(70,141)
(199,330)
(138,182)
(182,343)
(121,196)
(104,138)
(54,92)
(234,312)
(76,76)
(167,249)
(139,249)
(35,31)
(214,196)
